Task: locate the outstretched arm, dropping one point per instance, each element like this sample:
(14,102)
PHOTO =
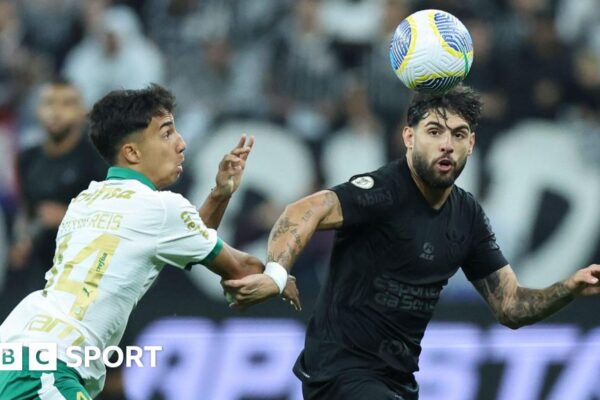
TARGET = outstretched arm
(289,236)
(515,306)
(298,223)
(235,264)
(229,176)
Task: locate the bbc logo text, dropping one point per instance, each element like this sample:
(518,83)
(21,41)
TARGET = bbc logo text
(44,356)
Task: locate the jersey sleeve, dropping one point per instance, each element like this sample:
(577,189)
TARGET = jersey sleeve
(485,256)
(365,198)
(184,240)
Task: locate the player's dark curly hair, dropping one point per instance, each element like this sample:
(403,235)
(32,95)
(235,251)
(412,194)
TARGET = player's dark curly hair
(122,112)
(461,100)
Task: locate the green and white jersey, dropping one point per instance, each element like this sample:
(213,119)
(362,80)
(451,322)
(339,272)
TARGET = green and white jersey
(111,245)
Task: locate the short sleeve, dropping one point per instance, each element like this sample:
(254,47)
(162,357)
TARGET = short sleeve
(365,198)
(184,240)
(485,256)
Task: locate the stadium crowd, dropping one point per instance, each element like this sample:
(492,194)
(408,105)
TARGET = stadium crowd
(318,70)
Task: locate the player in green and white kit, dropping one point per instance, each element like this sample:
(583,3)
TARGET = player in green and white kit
(115,239)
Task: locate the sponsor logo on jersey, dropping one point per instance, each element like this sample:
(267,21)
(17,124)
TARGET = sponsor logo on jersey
(193,223)
(427,253)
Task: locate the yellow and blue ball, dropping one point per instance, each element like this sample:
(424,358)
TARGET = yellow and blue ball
(431,51)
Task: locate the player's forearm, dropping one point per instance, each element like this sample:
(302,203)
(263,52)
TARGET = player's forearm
(248,265)
(291,233)
(213,209)
(528,306)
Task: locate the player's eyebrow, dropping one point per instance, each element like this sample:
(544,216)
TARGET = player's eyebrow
(166,123)
(457,128)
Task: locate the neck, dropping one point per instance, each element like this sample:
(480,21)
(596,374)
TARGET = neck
(435,197)
(59,148)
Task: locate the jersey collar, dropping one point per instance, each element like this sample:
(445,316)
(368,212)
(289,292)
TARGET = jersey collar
(127,173)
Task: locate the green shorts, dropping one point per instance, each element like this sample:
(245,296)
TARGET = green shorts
(62,384)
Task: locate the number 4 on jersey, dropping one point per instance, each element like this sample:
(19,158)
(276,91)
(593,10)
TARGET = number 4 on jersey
(104,246)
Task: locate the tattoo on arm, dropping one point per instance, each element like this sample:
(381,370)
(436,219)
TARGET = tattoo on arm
(297,224)
(517,306)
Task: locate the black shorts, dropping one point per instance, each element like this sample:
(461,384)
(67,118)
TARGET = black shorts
(357,384)
(351,386)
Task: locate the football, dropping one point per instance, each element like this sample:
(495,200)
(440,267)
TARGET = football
(431,51)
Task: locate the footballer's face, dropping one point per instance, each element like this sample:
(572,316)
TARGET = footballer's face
(160,151)
(438,147)
(60,110)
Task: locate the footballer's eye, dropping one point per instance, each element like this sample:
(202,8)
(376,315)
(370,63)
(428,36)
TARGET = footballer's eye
(434,132)
(460,134)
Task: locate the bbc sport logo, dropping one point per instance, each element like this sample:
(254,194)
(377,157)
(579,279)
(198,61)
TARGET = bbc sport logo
(43,356)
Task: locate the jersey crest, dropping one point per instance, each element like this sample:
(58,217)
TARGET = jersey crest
(363,182)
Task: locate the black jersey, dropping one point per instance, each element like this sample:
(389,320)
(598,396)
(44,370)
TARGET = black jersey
(57,179)
(390,261)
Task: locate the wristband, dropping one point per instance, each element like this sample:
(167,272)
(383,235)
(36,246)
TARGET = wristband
(278,273)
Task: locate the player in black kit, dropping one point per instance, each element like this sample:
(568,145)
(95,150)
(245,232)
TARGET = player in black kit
(402,232)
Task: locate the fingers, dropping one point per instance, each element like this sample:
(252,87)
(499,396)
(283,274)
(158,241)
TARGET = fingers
(243,148)
(291,293)
(590,279)
(233,283)
(232,163)
(240,143)
(592,274)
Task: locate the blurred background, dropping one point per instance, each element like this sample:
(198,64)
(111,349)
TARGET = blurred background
(312,81)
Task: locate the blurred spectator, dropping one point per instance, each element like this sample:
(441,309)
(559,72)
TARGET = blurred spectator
(51,174)
(540,73)
(306,75)
(352,26)
(359,145)
(585,85)
(388,97)
(116,55)
(209,75)
(577,20)
(177,26)
(10,55)
(20,68)
(215,82)
(51,27)
(3,250)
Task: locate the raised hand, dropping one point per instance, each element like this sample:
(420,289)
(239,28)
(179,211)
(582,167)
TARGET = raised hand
(231,167)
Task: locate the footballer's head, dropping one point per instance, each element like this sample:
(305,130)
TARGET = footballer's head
(136,129)
(60,109)
(440,135)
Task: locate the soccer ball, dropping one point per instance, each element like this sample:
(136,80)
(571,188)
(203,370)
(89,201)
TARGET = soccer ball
(431,51)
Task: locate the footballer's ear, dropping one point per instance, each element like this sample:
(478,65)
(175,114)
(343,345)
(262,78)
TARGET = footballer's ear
(130,151)
(471,142)
(408,135)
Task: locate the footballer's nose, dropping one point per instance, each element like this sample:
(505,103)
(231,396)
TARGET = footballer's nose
(446,146)
(181,145)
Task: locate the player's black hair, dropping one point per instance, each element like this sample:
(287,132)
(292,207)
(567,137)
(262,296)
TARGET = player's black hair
(461,100)
(122,112)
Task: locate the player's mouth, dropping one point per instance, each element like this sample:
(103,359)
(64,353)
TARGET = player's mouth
(444,164)
(180,165)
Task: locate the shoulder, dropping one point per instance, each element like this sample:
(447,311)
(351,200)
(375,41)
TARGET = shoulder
(382,177)
(173,200)
(465,199)
(29,154)
(468,205)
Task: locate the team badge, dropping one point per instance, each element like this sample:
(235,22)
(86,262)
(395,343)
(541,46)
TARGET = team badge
(363,182)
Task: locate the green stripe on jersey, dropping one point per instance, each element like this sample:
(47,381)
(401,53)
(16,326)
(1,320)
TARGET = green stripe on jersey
(215,252)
